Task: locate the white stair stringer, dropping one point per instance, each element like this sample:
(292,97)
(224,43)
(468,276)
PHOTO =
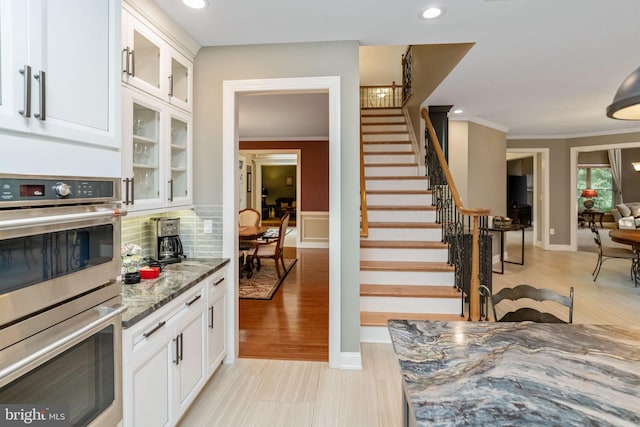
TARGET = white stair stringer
(404,272)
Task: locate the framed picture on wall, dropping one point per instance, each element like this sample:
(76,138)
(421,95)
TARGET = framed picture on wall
(248,182)
(288,180)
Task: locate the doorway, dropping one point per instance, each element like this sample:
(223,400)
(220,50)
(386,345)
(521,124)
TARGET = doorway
(231,91)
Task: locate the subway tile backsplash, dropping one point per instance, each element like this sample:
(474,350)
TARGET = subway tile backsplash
(195,242)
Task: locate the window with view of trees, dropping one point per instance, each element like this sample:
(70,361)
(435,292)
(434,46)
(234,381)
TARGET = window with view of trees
(597,178)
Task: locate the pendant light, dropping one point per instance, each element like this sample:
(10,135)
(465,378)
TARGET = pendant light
(626,103)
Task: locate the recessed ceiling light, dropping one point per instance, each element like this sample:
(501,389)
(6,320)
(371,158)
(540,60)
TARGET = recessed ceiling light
(196,4)
(458,111)
(432,12)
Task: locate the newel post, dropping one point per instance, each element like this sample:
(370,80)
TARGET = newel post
(474,288)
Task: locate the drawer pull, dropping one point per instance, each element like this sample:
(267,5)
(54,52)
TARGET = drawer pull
(218,282)
(196,298)
(154,330)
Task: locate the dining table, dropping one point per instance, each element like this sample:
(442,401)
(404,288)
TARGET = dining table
(246,235)
(631,238)
(461,373)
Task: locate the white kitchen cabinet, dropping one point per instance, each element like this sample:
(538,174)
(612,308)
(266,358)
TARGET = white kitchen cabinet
(156,153)
(60,70)
(152,64)
(216,330)
(169,355)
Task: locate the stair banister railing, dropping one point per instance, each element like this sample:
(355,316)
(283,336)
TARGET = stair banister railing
(364,219)
(451,213)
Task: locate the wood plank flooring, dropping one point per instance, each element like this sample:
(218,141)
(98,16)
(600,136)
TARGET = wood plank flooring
(260,393)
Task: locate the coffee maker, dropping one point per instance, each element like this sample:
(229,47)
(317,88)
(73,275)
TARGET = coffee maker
(165,240)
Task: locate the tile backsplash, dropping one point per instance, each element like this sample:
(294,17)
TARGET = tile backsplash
(196,243)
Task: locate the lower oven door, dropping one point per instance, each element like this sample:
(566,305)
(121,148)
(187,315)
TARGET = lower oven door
(70,373)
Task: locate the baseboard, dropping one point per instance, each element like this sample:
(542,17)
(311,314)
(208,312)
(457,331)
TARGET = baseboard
(558,248)
(350,361)
(375,334)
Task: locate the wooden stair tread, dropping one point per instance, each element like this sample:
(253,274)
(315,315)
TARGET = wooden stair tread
(399,192)
(384,132)
(409,291)
(393,165)
(388,153)
(398,177)
(404,225)
(400,208)
(403,244)
(384,123)
(368,318)
(387,142)
(439,266)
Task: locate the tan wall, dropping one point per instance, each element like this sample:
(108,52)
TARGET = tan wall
(487,169)
(381,65)
(214,65)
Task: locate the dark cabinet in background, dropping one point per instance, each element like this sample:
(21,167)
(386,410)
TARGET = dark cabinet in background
(520,214)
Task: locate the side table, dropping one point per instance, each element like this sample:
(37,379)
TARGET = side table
(590,217)
(502,230)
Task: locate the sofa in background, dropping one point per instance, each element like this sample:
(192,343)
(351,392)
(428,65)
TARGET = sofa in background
(627,215)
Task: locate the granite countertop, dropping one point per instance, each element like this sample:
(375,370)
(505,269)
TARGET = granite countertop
(499,374)
(149,295)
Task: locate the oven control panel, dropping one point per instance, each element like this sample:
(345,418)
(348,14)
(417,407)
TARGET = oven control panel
(28,190)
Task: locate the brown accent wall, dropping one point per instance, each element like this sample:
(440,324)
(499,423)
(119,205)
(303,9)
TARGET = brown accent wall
(314,169)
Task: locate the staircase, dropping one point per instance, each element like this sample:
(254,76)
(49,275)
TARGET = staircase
(404,272)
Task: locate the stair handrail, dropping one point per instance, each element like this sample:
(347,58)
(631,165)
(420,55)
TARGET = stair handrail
(479,216)
(364,218)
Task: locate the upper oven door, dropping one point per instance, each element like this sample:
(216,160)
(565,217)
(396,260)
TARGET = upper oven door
(50,255)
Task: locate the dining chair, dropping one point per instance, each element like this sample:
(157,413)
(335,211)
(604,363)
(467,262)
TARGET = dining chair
(248,217)
(522,295)
(272,249)
(611,252)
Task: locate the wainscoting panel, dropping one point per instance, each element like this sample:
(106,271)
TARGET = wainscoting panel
(313,229)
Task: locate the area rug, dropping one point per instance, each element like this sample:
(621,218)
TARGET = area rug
(263,284)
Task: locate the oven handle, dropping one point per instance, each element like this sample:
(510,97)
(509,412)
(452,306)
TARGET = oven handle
(100,213)
(118,309)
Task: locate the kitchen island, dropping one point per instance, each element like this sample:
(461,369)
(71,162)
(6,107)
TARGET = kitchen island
(483,373)
(149,295)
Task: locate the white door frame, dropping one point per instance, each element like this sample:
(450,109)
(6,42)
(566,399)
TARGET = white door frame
(231,90)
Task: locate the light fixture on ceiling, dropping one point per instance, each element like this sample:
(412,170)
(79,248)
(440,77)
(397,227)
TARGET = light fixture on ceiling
(458,111)
(636,166)
(432,12)
(196,4)
(626,103)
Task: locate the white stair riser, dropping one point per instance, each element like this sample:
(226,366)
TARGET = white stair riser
(390,119)
(385,137)
(423,199)
(379,112)
(390,171)
(376,334)
(401,216)
(410,234)
(384,127)
(435,278)
(410,305)
(389,158)
(396,184)
(373,148)
(402,254)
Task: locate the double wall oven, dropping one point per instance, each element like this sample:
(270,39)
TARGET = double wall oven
(60,306)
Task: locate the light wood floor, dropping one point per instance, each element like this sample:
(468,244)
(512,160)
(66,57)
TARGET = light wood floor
(262,393)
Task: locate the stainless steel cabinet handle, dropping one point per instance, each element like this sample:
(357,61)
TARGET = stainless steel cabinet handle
(218,282)
(154,330)
(171,190)
(171,85)
(26,72)
(196,298)
(211,317)
(133,197)
(133,63)
(126,191)
(42,78)
(125,61)
(176,358)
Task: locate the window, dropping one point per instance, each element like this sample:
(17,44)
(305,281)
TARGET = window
(597,178)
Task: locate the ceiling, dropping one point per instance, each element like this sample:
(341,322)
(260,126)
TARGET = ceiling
(539,68)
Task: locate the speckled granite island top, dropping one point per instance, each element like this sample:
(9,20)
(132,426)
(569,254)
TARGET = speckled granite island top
(518,374)
(149,295)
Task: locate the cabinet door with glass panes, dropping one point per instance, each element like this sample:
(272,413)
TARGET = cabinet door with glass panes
(180,81)
(179,179)
(143,57)
(143,155)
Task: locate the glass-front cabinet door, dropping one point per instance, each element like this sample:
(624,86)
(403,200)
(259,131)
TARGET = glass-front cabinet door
(180,81)
(142,57)
(180,159)
(142,153)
